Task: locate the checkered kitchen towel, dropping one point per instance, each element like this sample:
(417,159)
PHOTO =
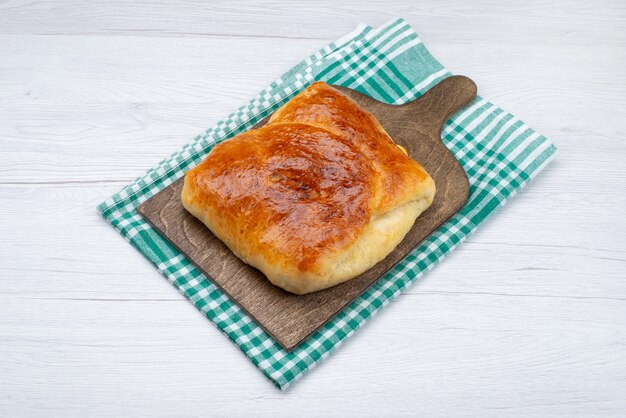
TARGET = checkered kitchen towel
(499,152)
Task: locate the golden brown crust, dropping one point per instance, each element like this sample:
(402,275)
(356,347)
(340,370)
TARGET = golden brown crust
(313,198)
(291,191)
(322,105)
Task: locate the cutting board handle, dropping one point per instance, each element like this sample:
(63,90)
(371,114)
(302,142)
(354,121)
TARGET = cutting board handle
(442,101)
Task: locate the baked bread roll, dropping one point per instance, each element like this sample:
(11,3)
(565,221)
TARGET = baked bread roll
(315,197)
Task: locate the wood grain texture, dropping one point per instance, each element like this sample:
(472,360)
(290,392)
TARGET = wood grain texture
(525,319)
(290,318)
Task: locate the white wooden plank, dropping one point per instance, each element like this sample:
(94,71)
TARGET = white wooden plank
(94,69)
(125,100)
(551,21)
(109,142)
(428,355)
(527,249)
(526,319)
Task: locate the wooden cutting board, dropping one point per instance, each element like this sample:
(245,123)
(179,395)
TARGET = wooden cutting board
(290,318)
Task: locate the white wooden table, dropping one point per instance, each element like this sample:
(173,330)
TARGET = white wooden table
(527,318)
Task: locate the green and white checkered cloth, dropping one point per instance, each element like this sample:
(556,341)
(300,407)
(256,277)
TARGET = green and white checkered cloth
(499,152)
